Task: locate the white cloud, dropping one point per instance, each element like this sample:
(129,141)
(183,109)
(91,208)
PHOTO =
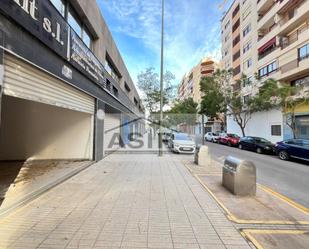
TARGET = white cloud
(192,31)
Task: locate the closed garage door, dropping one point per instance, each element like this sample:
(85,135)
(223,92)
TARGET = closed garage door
(43,117)
(27,82)
(111,133)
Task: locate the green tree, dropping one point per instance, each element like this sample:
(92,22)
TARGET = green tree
(221,99)
(182,112)
(149,83)
(283,96)
(213,104)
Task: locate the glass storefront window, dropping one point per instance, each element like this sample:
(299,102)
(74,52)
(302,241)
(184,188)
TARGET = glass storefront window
(86,39)
(74,24)
(59,5)
(302,126)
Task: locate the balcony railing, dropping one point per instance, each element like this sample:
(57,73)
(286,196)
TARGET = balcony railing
(260,17)
(293,37)
(267,52)
(261,36)
(290,14)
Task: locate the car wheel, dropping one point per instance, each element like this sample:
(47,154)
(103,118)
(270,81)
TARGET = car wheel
(283,155)
(259,150)
(240,146)
(229,144)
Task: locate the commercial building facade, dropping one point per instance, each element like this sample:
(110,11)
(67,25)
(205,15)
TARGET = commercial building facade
(65,90)
(268,39)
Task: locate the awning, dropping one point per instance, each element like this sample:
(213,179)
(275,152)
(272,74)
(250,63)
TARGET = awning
(267,45)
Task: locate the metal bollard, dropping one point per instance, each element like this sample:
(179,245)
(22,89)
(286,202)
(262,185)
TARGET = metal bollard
(239,177)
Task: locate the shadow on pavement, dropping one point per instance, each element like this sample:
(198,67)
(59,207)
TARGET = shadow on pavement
(8,174)
(23,180)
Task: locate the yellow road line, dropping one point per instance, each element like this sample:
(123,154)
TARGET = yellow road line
(275,231)
(286,199)
(252,239)
(233,218)
(248,233)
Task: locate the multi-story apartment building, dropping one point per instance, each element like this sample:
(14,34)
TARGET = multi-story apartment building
(269,39)
(190,83)
(189,87)
(65,91)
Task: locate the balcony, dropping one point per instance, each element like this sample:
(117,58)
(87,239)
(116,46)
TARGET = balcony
(267,19)
(263,5)
(294,69)
(293,17)
(301,34)
(266,35)
(267,49)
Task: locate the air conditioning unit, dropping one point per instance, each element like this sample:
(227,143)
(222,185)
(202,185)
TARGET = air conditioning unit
(284,41)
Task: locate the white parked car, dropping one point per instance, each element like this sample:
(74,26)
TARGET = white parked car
(212,137)
(181,143)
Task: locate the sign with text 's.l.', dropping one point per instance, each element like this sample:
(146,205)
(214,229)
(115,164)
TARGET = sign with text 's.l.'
(42,20)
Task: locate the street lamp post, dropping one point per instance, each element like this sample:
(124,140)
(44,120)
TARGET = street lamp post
(161,83)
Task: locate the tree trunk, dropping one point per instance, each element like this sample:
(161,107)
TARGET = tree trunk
(243,131)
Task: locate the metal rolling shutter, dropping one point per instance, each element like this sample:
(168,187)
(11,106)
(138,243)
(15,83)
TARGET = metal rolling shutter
(25,81)
(111,127)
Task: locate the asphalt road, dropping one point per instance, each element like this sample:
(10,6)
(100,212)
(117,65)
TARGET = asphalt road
(288,178)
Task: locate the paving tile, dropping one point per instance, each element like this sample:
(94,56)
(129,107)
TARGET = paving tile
(142,202)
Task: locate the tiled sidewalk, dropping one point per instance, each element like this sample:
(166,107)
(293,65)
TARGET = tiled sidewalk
(125,201)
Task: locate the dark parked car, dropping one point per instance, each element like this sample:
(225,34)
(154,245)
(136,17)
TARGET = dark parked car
(229,139)
(295,148)
(257,144)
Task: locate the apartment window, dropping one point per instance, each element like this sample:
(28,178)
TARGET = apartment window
(236,71)
(246,99)
(236,40)
(301,82)
(111,69)
(236,55)
(276,130)
(247,47)
(248,63)
(236,25)
(135,101)
(303,52)
(60,6)
(265,71)
(227,38)
(227,24)
(126,86)
(247,81)
(247,30)
(108,85)
(115,91)
(236,10)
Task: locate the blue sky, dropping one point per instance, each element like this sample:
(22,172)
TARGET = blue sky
(192,32)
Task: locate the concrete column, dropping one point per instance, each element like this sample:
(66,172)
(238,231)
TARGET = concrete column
(1,69)
(99,130)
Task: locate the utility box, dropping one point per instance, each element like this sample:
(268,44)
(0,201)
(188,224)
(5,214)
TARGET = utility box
(239,177)
(202,157)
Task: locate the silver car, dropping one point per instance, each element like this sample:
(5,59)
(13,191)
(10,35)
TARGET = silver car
(181,143)
(212,137)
